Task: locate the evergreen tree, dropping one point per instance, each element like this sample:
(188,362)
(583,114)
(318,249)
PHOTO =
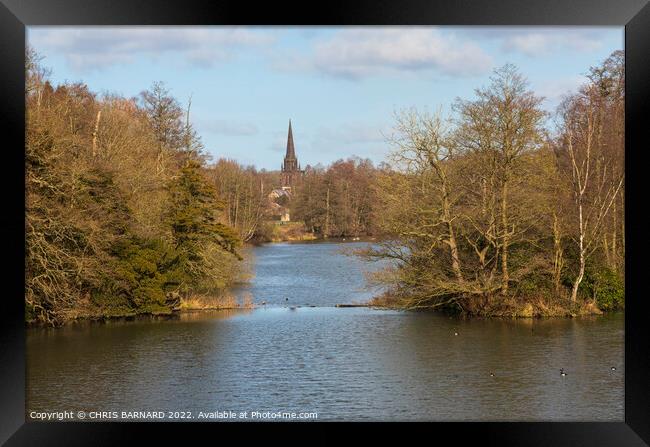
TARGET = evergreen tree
(193,221)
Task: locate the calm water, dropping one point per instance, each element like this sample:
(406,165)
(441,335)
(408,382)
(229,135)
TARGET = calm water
(343,363)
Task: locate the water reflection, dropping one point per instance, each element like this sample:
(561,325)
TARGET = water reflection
(221,314)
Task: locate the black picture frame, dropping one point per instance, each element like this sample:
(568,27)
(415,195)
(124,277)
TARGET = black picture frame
(15,15)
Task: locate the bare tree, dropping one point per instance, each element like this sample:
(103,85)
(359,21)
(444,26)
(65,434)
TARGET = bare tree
(504,122)
(424,147)
(595,185)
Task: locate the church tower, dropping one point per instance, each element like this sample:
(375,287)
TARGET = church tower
(290,168)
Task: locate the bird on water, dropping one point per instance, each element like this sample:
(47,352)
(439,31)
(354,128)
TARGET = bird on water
(562,373)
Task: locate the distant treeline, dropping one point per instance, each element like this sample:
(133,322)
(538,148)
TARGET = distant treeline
(503,209)
(338,201)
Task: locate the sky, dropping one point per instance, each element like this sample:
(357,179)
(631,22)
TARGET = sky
(340,86)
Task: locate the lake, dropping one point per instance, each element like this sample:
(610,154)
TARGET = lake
(299,353)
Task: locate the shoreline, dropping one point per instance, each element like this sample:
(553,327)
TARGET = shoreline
(177,313)
(315,240)
(150,316)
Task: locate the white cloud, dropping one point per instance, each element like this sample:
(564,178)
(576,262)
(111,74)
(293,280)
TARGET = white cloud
(350,134)
(348,138)
(554,90)
(279,141)
(91,48)
(227,127)
(541,41)
(362,52)
(344,52)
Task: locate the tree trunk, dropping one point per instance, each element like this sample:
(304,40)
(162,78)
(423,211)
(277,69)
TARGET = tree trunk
(327,213)
(581,274)
(614,237)
(581,245)
(451,240)
(453,248)
(558,261)
(505,276)
(95,132)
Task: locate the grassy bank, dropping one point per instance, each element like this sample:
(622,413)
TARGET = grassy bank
(285,232)
(498,307)
(224,302)
(297,231)
(89,311)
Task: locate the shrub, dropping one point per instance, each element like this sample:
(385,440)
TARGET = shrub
(139,277)
(606,287)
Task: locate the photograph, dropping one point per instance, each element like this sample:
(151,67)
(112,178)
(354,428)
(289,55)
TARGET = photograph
(325,223)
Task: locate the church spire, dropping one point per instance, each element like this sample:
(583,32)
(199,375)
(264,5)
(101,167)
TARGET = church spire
(290,168)
(291,152)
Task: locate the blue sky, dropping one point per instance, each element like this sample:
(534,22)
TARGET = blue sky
(339,85)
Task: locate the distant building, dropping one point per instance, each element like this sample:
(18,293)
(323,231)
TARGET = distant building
(280,194)
(277,212)
(291,172)
(278,201)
